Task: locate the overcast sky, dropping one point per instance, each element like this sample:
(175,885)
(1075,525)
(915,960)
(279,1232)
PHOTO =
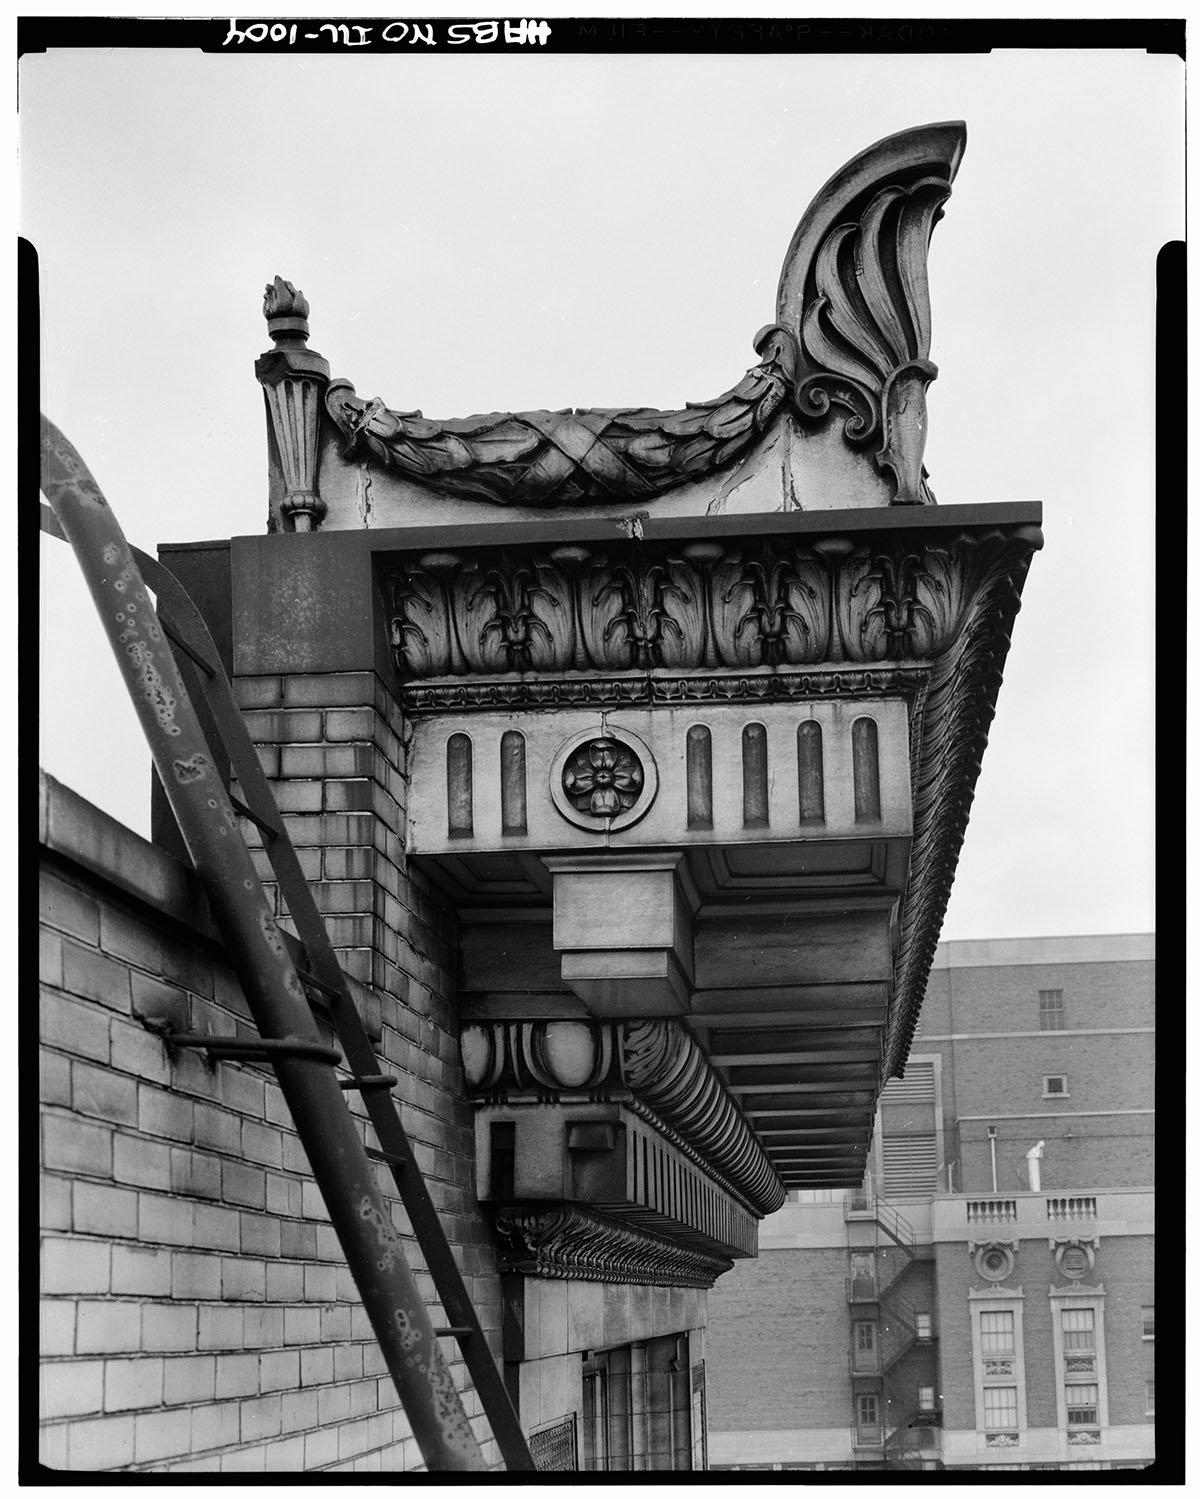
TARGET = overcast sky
(478,233)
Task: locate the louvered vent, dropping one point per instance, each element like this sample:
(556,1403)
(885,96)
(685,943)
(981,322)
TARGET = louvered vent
(910,1167)
(916,1086)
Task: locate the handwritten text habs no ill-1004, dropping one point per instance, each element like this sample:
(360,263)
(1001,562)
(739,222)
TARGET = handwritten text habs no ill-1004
(415,33)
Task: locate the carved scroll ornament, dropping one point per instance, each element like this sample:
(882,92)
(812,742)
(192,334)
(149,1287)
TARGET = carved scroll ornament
(851,337)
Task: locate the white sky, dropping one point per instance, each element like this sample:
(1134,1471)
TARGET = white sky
(478,233)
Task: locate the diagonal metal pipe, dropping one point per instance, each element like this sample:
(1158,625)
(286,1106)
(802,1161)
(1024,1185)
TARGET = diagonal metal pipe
(373,1246)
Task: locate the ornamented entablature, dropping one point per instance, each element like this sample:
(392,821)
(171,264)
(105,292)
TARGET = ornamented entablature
(833,414)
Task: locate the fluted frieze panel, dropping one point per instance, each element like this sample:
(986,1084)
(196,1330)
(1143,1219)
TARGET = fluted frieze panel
(567,1243)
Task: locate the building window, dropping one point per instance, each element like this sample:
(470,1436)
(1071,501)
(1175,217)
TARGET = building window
(1000,1408)
(1079,1330)
(926,1399)
(1055,1085)
(996,1338)
(1150,1397)
(1050,1009)
(1148,1323)
(925,1326)
(1082,1403)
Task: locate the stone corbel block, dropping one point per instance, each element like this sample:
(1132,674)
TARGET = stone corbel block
(623,924)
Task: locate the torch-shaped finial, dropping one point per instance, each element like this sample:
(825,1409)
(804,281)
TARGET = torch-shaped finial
(286,312)
(294,379)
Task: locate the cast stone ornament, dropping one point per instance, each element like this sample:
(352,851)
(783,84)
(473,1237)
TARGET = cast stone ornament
(851,339)
(603,779)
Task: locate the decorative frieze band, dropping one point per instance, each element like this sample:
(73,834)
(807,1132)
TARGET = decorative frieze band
(567,1243)
(766,685)
(735,605)
(655,1061)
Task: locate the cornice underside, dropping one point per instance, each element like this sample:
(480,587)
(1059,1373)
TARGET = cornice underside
(949,736)
(569,1242)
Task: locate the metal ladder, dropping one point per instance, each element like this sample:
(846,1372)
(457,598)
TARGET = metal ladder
(282,997)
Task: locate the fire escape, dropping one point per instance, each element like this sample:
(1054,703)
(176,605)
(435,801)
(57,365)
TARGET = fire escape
(895,1416)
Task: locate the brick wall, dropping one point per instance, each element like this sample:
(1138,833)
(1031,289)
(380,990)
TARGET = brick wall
(1004,996)
(197,1313)
(1124,1266)
(778,1343)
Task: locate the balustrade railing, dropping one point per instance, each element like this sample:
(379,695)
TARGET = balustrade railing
(992,1210)
(1070,1209)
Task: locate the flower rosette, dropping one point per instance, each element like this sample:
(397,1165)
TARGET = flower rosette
(603,778)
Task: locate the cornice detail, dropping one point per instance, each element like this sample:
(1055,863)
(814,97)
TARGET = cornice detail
(656,1062)
(567,1243)
(949,734)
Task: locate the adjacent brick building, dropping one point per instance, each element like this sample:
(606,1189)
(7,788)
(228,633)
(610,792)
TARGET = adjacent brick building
(987,1300)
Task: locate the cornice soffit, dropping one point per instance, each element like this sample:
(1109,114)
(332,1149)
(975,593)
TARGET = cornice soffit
(851,342)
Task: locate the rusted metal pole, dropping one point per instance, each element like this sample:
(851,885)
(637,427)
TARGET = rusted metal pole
(372,1245)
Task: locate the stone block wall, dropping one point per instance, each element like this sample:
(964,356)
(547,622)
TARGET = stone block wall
(197,1313)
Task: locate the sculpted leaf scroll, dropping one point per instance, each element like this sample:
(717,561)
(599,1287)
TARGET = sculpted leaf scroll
(855,291)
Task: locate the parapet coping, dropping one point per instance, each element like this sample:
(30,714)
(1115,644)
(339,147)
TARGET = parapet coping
(79,831)
(563,527)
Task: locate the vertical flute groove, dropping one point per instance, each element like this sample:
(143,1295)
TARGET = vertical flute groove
(513,814)
(755,812)
(699,777)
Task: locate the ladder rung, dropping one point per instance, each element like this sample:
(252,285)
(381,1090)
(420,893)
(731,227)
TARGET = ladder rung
(263,826)
(453,1332)
(389,1157)
(193,655)
(310,980)
(245,1047)
(369,1080)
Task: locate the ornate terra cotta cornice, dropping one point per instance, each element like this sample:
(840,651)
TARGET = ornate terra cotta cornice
(735,604)
(656,1064)
(949,735)
(851,337)
(925,610)
(568,1243)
